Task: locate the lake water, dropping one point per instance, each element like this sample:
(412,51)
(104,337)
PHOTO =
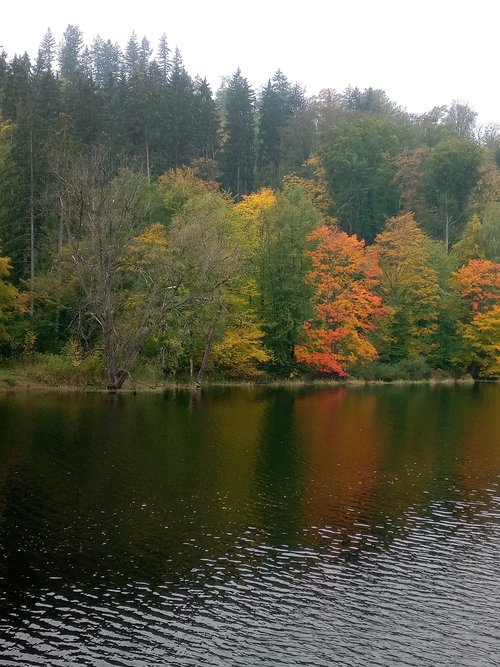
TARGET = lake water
(251,526)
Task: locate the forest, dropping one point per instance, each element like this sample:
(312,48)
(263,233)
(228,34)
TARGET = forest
(152,228)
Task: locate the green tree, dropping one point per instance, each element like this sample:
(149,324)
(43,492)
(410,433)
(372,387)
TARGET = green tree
(462,119)
(281,276)
(449,175)
(359,160)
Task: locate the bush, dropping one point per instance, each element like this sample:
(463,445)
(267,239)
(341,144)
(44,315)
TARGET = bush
(415,368)
(66,369)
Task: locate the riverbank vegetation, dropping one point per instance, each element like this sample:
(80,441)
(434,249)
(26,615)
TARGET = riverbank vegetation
(151,229)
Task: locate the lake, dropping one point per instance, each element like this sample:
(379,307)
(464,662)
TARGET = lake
(251,526)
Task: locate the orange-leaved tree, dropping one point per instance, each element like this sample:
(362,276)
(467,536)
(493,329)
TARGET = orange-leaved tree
(344,276)
(479,285)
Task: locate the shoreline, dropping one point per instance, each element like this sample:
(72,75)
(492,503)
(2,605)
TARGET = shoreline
(18,384)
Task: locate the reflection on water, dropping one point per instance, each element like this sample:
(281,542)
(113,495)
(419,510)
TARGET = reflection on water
(252,527)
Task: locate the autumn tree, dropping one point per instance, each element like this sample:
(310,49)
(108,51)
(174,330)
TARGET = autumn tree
(314,184)
(408,178)
(12,301)
(478,283)
(208,256)
(470,246)
(409,287)
(275,229)
(343,276)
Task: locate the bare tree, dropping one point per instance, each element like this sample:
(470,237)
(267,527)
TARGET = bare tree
(133,275)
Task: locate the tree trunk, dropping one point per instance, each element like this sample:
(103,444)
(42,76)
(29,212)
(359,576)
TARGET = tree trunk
(206,355)
(114,377)
(447,223)
(148,173)
(32,229)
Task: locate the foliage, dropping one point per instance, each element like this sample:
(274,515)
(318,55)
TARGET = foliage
(167,270)
(470,244)
(410,290)
(414,368)
(343,275)
(12,301)
(68,368)
(481,343)
(177,186)
(284,295)
(315,185)
(478,283)
(241,353)
(359,160)
(448,178)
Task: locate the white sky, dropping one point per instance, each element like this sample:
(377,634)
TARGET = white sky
(423,53)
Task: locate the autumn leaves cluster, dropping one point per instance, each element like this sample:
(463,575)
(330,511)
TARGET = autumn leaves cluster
(179,276)
(395,299)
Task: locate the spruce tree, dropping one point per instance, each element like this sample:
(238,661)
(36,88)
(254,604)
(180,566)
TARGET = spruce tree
(239,129)
(70,52)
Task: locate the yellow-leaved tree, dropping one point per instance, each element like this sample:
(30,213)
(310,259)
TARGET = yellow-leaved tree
(12,301)
(478,283)
(410,290)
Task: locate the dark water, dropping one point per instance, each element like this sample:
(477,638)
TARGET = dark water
(251,527)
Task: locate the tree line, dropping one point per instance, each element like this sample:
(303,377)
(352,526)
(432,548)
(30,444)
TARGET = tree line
(145,220)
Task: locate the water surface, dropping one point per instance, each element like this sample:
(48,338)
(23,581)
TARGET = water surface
(337,526)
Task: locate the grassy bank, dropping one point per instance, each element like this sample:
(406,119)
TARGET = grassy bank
(57,373)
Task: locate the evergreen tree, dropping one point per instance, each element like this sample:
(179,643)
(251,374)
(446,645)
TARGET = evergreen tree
(163,58)
(46,91)
(239,142)
(179,114)
(106,62)
(70,52)
(205,121)
(132,56)
(46,54)
(280,100)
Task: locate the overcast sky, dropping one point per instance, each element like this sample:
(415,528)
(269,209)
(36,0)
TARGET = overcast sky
(422,53)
